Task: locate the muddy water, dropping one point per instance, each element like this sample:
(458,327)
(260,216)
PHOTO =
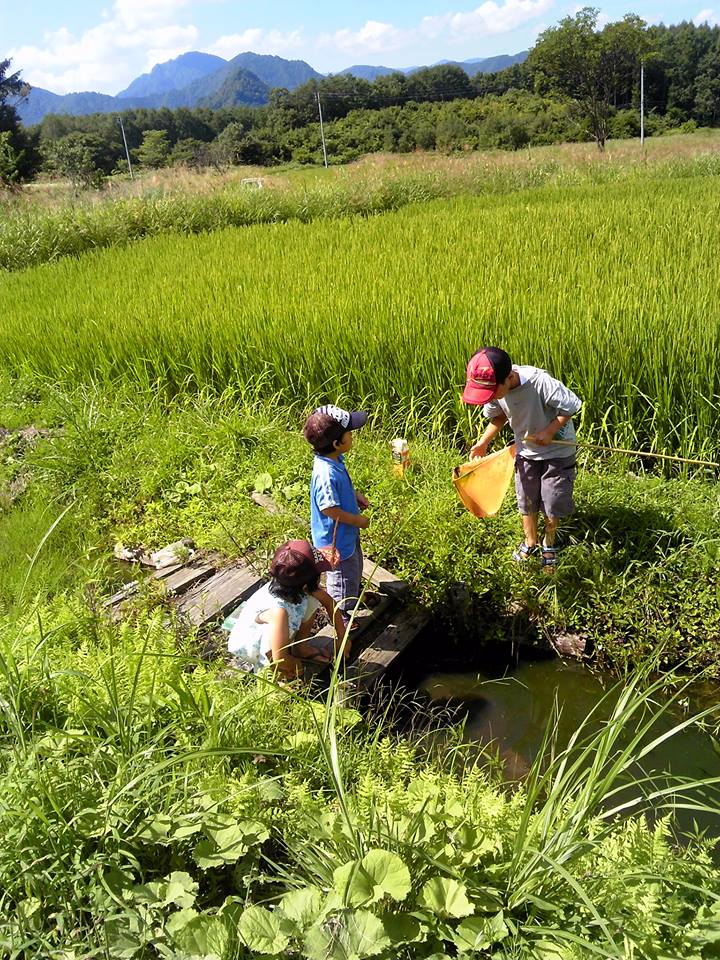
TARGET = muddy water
(508,710)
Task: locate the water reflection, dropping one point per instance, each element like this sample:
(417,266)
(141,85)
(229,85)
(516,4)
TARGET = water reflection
(510,713)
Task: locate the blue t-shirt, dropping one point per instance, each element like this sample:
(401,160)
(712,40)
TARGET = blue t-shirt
(331,486)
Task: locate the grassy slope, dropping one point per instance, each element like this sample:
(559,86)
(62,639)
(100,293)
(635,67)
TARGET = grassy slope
(48,224)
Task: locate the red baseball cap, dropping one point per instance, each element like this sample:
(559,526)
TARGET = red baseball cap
(297,562)
(485,370)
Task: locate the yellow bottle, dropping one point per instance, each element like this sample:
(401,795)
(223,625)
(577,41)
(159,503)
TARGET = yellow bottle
(400,456)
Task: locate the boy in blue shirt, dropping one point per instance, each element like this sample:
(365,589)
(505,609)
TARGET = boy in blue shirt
(335,508)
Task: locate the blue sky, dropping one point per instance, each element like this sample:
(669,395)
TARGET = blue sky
(95,46)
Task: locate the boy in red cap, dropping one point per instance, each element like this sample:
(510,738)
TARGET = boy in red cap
(335,508)
(275,623)
(540,410)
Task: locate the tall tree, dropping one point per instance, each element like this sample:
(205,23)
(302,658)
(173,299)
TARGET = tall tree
(26,158)
(596,68)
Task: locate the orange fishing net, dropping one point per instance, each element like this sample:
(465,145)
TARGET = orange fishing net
(482,484)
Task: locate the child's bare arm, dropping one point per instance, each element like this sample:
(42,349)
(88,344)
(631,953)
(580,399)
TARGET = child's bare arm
(547,435)
(489,434)
(279,635)
(353,519)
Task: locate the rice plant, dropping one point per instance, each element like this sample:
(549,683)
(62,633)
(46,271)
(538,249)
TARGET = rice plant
(611,287)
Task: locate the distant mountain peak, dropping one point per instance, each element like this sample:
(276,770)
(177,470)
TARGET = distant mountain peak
(203,79)
(173,74)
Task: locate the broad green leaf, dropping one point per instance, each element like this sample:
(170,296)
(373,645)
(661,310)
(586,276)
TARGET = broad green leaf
(302,906)
(352,884)
(157,830)
(446,897)
(181,889)
(205,937)
(264,931)
(149,893)
(263,483)
(185,827)
(479,933)
(122,938)
(179,920)
(471,934)
(350,935)
(388,874)
(229,844)
(403,928)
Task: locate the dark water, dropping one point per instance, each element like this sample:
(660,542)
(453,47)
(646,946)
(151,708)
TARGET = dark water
(508,710)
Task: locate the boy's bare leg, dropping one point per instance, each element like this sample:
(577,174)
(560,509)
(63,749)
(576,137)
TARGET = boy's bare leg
(530,526)
(551,528)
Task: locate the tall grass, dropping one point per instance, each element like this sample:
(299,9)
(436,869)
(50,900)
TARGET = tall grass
(30,235)
(613,288)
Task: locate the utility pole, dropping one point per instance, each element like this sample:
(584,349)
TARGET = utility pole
(642,104)
(127,152)
(322,131)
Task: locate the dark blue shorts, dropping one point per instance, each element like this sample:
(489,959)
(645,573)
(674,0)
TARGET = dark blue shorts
(545,485)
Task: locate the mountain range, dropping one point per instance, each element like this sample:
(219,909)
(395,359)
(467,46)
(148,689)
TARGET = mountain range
(204,80)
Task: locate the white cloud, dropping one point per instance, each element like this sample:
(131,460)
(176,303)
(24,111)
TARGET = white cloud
(135,35)
(489,19)
(374,37)
(707,16)
(137,13)
(258,40)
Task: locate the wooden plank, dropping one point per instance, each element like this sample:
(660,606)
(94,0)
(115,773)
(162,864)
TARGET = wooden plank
(375,659)
(215,597)
(131,587)
(366,619)
(385,581)
(187,576)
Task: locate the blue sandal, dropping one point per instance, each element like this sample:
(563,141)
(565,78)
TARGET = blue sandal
(524,552)
(548,560)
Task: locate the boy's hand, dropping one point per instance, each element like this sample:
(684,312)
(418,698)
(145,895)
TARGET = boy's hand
(362,521)
(362,501)
(479,450)
(544,437)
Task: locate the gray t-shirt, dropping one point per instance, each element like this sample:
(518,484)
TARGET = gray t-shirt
(530,408)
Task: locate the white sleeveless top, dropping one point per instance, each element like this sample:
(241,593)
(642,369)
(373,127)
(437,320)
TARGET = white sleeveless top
(249,640)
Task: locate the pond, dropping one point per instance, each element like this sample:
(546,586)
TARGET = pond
(507,707)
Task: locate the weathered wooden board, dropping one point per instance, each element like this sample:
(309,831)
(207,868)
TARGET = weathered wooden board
(402,629)
(367,620)
(215,597)
(181,580)
(385,581)
(131,587)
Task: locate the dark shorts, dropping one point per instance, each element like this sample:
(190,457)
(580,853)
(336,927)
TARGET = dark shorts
(545,485)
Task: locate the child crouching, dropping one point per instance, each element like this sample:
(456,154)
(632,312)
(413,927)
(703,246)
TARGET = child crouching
(275,622)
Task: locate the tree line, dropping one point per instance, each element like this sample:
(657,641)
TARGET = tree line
(579,82)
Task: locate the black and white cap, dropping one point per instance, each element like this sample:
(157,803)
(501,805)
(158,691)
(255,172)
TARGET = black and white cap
(346,419)
(327,424)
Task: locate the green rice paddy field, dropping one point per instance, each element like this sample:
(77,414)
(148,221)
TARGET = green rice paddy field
(612,288)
